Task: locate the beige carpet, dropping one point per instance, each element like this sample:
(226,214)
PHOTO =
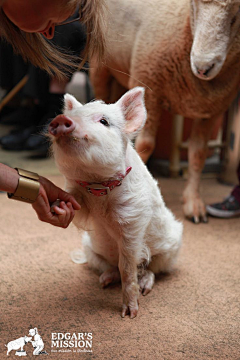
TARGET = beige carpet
(191,314)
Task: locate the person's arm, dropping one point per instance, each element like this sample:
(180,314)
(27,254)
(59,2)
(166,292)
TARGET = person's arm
(8,179)
(48,194)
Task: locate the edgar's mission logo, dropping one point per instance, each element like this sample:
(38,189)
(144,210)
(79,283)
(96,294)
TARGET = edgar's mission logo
(33,337)
(71,342)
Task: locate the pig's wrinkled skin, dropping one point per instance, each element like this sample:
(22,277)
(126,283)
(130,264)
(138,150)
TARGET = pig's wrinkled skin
(17,344)
(130,234)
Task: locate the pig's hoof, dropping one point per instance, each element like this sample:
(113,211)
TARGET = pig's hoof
(129,310)
(110,276)
(146,282)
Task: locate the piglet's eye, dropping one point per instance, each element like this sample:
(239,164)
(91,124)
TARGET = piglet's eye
(104,122)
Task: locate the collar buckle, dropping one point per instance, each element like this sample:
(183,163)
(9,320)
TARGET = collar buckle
(104,188)
(120,182)
(97,187)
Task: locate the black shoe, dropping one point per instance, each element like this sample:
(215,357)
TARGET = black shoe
(39,144)
(229,208)
(16,139)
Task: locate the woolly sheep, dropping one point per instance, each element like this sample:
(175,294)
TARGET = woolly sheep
(186,54)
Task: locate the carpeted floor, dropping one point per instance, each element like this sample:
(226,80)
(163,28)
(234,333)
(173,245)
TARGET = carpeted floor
(190,314)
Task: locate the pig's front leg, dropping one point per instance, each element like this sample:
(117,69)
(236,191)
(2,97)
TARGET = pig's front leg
(130,288)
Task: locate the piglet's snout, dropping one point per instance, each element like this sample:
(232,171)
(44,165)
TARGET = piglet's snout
(61,125)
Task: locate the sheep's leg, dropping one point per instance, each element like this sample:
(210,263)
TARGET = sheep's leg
(105,86)
(116,90)
(146,140)
(101,79)
(193,205)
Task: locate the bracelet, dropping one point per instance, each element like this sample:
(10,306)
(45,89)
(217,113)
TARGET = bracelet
(28,187)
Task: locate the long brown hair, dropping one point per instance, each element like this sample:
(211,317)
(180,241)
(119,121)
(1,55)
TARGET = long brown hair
(35,48)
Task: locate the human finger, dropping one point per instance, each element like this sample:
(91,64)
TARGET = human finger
(58,210)
(69,198)
(68,215)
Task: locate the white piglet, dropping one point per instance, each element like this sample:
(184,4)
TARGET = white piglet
(130,234)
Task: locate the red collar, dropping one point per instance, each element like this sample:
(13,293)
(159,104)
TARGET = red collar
(104,188)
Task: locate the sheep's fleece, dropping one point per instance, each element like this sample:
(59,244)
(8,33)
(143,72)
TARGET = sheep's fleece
(186,55)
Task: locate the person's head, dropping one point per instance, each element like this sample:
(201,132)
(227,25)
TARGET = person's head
(25,23)
(33,332)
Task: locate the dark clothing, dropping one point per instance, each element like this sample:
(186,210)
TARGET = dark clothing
(71,37)
(236,190)
(12,67)
(37,105)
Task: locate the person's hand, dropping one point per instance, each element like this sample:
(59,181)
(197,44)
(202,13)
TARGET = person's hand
(63,212)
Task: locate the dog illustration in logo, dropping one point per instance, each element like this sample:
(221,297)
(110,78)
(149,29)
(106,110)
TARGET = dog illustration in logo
(37,343)
(18,344)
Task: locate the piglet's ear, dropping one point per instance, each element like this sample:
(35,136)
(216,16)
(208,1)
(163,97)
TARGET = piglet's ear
(70,102)
(133,108)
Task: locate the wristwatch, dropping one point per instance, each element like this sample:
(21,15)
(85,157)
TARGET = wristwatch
(28,187)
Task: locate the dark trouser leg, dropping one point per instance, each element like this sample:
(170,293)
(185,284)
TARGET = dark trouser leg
(236,190)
